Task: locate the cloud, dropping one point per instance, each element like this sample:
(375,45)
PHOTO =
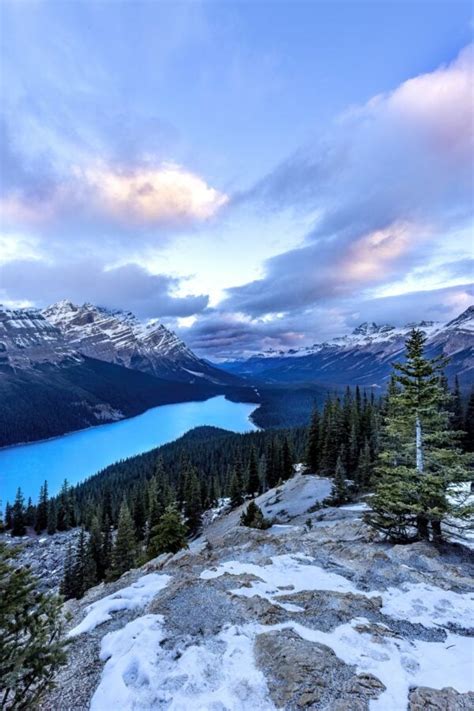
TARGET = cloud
(225,335)
(167,195)
(388,185)
(125,287)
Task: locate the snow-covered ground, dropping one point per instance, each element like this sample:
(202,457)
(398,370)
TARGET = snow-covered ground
(135,596)
(404,614)
(220,673)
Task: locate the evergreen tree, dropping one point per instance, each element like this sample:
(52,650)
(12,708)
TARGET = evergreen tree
(253,480)
(364,468)
(65,508)
(312,455)
(139,511)
(96,549)
(192,503)
(8,516)
(52,517)
(340,492)
(106,545)
(419,458)
(286,461)
(253,517)
(32,642)
(271,466)
(18,515)
(124,551)
(41,522)
(468,428)
(457,414)
(67,586)
(236,488)
(30,513)
(79,569)
(169,535)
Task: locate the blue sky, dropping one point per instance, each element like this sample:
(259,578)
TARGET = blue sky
(256,174)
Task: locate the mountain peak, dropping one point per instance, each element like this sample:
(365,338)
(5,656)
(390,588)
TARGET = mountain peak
(464,320)
(366,329)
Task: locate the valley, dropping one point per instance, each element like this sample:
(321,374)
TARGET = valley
(81,454)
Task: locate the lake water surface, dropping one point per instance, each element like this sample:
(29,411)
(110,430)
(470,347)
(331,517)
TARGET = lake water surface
(80,454)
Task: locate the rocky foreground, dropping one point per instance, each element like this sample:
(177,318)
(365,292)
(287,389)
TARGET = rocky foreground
(311,614)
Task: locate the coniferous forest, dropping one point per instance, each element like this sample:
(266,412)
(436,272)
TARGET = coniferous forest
(135,509)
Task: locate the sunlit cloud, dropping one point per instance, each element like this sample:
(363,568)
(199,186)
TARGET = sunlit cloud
(169,193)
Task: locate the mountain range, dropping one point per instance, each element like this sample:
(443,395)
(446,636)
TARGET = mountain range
(365,356)
(68,367)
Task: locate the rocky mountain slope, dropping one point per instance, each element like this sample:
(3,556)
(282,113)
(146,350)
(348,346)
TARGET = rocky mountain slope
(317,615)
(48,387)
(365,356)
(119,337)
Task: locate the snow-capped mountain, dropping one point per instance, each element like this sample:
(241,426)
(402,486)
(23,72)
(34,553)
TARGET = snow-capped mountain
(119,337)
(27,339)
(73,367)
(364,357)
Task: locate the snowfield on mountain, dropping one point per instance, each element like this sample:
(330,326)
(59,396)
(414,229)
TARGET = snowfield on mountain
(321,615)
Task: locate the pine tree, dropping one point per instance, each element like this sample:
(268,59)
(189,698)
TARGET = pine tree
(18,515)
(8,516)
(192,503)
(271,466)
(124,551)
(253,480)
(65,508)
(457,413)
(41,522)
(236,488)
(66,587)
(253,517)
(286,461)
(32,643)
(106,545)
(30,513)
(96,548)
(364,468)
(419,458)
(340,492)
(468,440)
(139,513)
(169,535)
(312,456)
(52,517)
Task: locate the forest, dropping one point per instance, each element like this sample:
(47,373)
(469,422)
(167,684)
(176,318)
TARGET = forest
(152,503)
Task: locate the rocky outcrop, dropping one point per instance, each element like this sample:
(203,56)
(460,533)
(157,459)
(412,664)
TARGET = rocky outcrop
(422,699)
(326,617)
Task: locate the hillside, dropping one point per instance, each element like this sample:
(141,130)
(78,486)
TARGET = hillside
(318,616)
(119,337)
(48,387)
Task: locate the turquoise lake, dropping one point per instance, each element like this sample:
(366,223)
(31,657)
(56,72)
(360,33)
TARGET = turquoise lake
(78,455)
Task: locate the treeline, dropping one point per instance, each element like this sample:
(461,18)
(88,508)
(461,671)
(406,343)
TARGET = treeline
(140,507)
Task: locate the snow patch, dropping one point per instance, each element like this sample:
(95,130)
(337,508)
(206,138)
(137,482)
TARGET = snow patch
(398,663)
(141,674)
(136,595)
(274,579)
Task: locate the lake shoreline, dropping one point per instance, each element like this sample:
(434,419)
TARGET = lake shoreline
(79,454)
(32,442)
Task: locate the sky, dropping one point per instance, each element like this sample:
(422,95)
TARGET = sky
(255,174)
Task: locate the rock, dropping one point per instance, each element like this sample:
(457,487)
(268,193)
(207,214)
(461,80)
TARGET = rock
(304,675)
(448,699)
